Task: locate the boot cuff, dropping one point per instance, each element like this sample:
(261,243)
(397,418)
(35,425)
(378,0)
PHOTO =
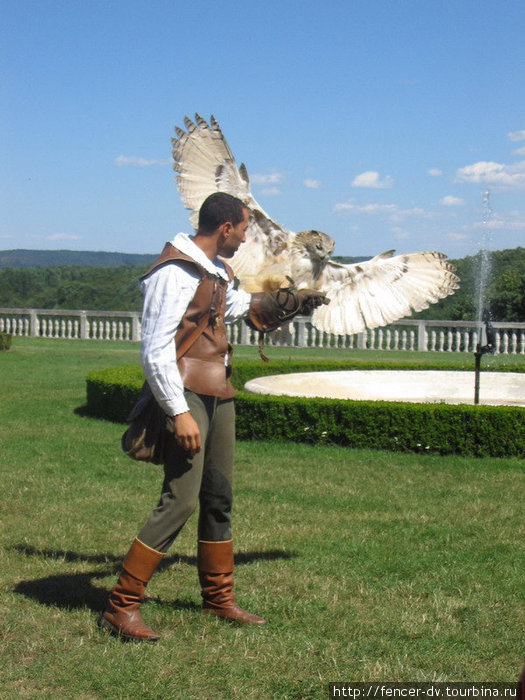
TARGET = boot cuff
(215,557)
(141,561)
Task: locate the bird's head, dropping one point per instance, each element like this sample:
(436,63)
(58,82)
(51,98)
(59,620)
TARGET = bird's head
(318,245)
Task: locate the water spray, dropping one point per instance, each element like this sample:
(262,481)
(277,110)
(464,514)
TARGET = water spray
(483,279)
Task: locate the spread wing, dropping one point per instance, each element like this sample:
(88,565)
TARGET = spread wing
(365,295)
(382,290)
(205,164)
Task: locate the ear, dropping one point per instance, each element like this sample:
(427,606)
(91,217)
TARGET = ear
(226,228)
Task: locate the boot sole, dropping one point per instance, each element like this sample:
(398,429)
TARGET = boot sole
(115,632)
(235,620)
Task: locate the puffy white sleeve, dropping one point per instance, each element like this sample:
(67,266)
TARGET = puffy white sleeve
(167,293)
(237,303)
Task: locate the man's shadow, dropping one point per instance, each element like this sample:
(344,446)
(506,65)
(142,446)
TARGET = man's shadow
(73,591)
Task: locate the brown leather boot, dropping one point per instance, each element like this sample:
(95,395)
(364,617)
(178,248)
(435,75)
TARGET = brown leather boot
(215,563)
(122,614)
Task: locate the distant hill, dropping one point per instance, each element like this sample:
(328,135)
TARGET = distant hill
(347,260)
(59,258)
(88,258)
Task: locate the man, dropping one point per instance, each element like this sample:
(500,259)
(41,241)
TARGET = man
(188,297)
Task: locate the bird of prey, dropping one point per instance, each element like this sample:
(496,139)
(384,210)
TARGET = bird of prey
(363,295)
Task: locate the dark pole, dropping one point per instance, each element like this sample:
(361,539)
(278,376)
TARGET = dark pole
(481,350)
(477,370)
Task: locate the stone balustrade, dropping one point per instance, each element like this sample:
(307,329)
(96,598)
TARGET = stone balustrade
(81,325)
(407,334)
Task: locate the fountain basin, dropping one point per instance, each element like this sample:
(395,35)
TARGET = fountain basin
(496,388)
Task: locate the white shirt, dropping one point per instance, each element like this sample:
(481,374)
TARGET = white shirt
(167,294)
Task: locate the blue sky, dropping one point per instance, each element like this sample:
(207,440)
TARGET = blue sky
(379,122)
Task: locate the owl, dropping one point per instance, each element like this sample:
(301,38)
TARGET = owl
(362,295)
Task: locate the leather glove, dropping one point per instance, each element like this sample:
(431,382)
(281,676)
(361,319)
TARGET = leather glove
(310,299)
(269,310)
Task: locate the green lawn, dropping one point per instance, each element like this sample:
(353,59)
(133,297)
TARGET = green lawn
(369,566)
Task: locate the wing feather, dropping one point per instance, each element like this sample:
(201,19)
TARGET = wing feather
(205,164)
(382,290)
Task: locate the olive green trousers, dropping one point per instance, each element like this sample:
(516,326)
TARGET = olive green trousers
(204,480)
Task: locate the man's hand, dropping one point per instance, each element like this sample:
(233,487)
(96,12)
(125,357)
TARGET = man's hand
(310,299)
(187,433)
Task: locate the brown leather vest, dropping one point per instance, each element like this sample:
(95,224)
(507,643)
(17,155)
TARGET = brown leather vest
(202,367)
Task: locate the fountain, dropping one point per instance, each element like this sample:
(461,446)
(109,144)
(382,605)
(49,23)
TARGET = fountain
(485,260)
(413,386)
(483,279)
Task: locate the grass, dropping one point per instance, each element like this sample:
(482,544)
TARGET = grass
(369,566)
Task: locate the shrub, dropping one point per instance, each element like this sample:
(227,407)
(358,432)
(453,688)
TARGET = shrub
(480,431)
(111,393)
(5,341)
(496,431)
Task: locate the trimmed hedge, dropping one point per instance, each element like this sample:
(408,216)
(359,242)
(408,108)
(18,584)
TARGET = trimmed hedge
(5,341)
(481,431)
(112,393)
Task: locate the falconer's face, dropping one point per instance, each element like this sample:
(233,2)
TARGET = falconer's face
(232,236)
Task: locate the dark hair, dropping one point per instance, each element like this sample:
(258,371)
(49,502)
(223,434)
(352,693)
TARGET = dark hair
(218,208)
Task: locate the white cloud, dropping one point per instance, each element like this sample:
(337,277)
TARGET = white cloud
(515,221)
(512,220)
(435,172)
(63,237)
(365,208)
(457,236)
(494,174)
(269,179)
(519,151)
(517,135)
(450,201)
(371,179)
(401,214)
(122,161)
(492,224)
(271,191)
(312,184)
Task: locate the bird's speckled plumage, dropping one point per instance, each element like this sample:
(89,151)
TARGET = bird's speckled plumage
(363,295)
